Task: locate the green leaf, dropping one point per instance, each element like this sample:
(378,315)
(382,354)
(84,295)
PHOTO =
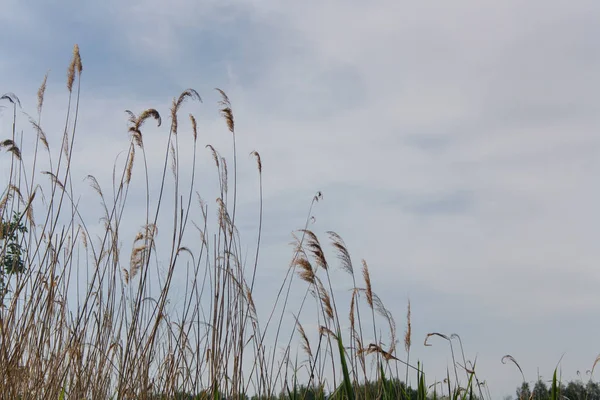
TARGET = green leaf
(347,382)
(554,390)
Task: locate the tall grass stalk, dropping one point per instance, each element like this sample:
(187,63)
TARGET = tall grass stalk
(176,313)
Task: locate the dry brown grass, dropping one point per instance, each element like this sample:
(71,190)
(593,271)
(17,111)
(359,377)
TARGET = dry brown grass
(177,315)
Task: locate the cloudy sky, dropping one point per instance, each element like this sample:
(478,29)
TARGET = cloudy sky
(456,144)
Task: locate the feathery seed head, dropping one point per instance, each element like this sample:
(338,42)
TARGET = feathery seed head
(41,92)
(408,333)
(74,66)
(255,154)
(226,110)
(342,250)
(194,127)
(367,278)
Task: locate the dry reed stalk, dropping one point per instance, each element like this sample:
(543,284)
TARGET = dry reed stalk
(440,335)
(224,175)
(40,93)
(408,333)
(594,365)
(12,98)
(95,185)
(387,315)
(40,133)
(325,331)
(137,122)
(7,143)
(188,93)
(194,127)
(161,356)
(315,249)
(326,299)
(173,160)
(305,270)
(375,348)
(367,278)
(342,252)
(258,161)
(65,147)
(305,343)
(512,359)
(407,339)
(129,168)
(11,147)
(226,110)
(74,67)
(54,179)
(352,303)
(140,252)
(215,154)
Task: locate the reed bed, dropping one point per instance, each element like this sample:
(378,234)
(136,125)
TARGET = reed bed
(82,320)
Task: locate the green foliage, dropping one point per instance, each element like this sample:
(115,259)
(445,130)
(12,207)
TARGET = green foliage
(11,259)
(347,382)
(421,389)
(573,390)
(387,387)
(554,393)
(540,391)
(469,390)
(523,392)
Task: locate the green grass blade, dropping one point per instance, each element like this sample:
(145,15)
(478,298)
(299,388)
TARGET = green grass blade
(469,387)
(554,390)
(384,383)
(421,390)
(347,382)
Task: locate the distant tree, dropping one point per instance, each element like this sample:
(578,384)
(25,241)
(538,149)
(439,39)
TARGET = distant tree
(524,393)
(574,391)
(11,250)
(541,391)
(593,391)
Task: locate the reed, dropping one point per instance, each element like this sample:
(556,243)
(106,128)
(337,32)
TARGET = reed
(82,321)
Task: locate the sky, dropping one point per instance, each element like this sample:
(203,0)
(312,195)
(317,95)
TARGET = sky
(456,145)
